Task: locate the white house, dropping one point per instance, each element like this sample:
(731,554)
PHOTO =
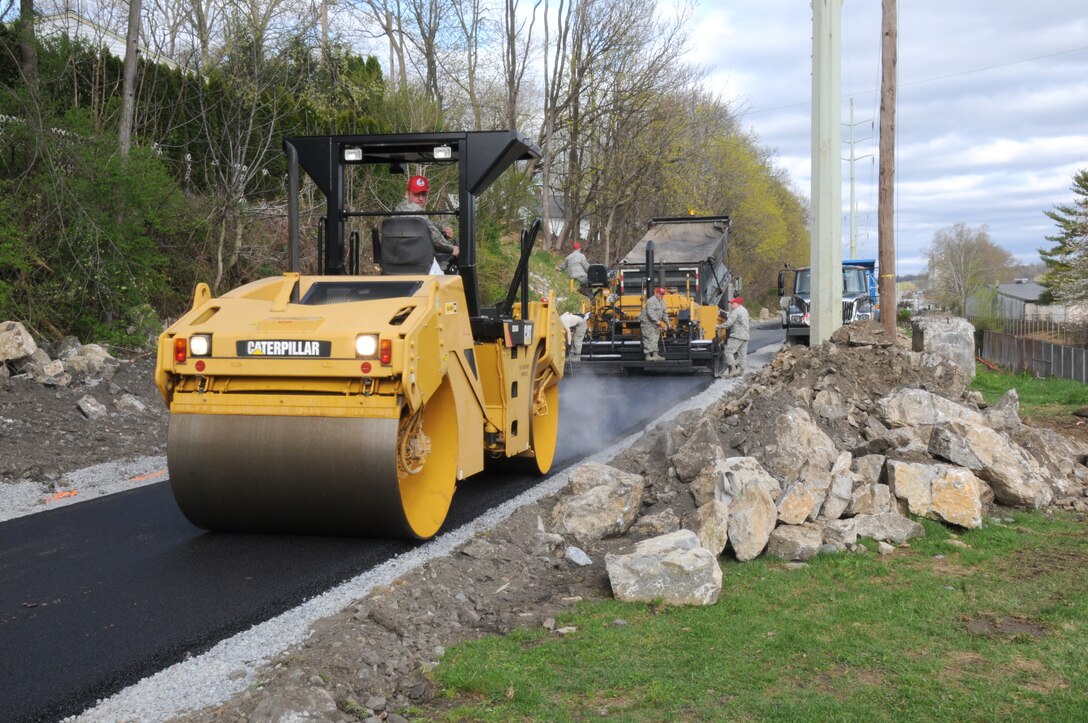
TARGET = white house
(75,26)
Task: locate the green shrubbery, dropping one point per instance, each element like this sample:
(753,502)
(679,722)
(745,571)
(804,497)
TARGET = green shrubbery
(90,239)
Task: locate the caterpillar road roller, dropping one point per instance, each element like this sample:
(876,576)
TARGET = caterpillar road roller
(350,404)
(687,256)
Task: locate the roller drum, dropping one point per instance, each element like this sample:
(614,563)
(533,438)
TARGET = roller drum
(268,474)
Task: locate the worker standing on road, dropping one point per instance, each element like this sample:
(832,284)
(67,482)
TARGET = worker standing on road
(575,324)
(415,200)
(653,320)
(739,324)
(577,267)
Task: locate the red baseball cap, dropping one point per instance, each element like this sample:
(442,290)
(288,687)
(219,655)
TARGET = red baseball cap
(659,290)
(418,184)
(736,300)
(577,246)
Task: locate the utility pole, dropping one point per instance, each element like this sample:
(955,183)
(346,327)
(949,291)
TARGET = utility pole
(886,185)
(853,199)
(825,249)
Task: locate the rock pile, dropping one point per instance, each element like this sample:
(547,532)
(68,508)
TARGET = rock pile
(70,405)
(832,444)
(21,355)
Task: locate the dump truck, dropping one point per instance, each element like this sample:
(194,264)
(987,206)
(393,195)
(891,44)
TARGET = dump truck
(795,297)
(687,255)
(349,404)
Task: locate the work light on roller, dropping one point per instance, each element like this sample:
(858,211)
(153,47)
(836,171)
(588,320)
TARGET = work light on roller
(366,346)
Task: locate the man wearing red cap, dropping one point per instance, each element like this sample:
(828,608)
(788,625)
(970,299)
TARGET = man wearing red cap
(414,201)
(739,324)
(577,266)
(653,319)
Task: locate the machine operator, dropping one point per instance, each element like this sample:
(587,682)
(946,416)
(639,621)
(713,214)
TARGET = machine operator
(415,200)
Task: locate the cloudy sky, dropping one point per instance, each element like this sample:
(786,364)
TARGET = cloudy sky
(992,116)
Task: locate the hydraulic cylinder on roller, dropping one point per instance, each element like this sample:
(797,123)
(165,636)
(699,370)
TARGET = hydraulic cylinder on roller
(350,404)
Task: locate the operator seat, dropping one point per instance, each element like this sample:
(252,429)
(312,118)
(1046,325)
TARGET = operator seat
(597,276)
(406,245)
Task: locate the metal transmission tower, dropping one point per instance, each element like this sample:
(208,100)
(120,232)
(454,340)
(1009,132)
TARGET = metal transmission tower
(853,199)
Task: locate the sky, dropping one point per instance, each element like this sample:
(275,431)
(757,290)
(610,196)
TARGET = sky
(991,113)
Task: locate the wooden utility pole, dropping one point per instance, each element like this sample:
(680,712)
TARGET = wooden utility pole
(886,185)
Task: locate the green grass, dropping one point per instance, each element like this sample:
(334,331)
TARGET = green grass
(1038,397)
(849,637)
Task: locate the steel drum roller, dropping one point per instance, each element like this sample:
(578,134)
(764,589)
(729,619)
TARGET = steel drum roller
(314,475)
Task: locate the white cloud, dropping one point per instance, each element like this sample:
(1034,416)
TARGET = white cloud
(990,115)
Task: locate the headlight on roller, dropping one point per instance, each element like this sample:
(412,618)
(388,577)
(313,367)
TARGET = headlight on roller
(200,345)
(366,345)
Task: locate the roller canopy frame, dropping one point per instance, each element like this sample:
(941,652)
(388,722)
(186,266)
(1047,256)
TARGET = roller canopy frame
(481,157)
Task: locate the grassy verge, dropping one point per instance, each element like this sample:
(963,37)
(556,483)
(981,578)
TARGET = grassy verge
(497,262)
(994,629)
(1038,397)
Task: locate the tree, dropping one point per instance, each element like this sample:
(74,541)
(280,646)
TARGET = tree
(128,95)
(963,261)
(1067,261)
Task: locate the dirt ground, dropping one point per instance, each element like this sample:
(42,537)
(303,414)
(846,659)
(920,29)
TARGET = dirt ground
(43,433)
(1071,426)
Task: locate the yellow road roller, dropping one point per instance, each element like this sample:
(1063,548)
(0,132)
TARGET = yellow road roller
(350,404)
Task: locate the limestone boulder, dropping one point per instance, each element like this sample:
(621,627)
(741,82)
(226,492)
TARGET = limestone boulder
(868,468)
(950,337)
(675,569)
(839,496)
(1062,456)
(795,542)
(700,451)
(752,518)
(727,477)
(710,523)
(602,501)
(796,504)
(887,527)
(838,535)
(92,408)
(92,362)
(870,499)
(660,523)
(1004,416)
(938,491)
(830,405)
(799,441)
(818,481)
(15,341)
(52,374)
(1016,479)
(922,410)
